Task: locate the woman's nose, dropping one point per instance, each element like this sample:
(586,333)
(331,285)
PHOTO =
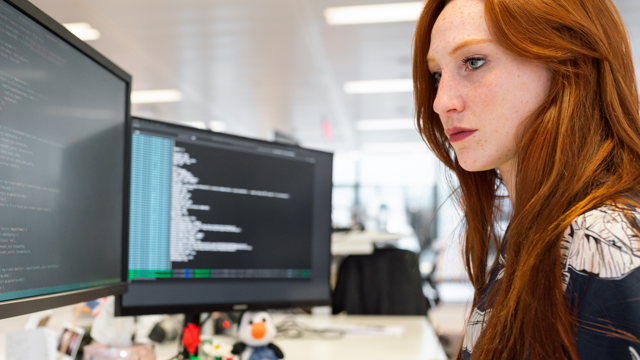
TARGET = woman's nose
(448,99)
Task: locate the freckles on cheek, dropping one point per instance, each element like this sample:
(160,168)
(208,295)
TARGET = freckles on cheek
(485,95)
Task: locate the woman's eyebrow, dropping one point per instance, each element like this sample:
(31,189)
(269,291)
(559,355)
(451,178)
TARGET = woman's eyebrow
(463,44)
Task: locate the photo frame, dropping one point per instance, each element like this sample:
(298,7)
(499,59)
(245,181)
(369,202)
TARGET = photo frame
(69,340)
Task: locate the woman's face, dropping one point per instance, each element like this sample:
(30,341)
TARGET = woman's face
(485,93)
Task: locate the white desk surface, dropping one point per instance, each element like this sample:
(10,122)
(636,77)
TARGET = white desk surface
(418,342)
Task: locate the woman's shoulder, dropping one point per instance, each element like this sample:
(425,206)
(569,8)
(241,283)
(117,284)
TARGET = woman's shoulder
(603,242)
(601,250)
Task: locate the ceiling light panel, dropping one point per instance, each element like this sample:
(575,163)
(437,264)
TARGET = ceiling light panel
(370,14)
(83,31)
(386,124)
(155,96)
(378,86)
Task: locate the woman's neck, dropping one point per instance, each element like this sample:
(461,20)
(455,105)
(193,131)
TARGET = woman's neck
(508,173)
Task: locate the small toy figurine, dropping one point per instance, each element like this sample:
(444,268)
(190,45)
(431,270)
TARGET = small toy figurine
(256,331)
(191,338)
(217,351)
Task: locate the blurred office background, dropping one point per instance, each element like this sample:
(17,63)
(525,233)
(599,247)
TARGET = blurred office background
(331,78)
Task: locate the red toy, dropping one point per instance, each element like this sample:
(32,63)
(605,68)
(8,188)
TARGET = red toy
(191,338)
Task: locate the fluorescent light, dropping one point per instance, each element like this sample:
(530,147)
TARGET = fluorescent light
(155,96)
(217,125)
(83,31)
(386,124)
(395,147)
(196,124)
(369,14)
(378,86)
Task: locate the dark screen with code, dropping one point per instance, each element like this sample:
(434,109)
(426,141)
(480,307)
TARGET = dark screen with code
(62,153)
(215,218)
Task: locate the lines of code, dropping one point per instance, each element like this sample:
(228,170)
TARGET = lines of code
(20,41)
(15,26)
(239,214)
(15,151)
(187,231)
(232,214)
(150,202)
(16,246)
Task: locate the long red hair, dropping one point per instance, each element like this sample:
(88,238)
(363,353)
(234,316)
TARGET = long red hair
(578,151)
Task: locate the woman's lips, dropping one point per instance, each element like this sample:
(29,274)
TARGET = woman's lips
(458,133)
(461,135)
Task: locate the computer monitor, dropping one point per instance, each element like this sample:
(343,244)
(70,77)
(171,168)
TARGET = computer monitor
(63,165)
(221,222)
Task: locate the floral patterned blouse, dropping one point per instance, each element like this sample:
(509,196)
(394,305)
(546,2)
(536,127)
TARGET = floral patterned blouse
(601,257)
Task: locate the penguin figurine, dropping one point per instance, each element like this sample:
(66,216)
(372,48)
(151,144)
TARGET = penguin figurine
(256,331)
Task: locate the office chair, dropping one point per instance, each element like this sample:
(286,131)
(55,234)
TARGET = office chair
(387,282)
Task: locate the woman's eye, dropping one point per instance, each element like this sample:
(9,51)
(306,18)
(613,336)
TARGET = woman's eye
(474,63)
(436,77)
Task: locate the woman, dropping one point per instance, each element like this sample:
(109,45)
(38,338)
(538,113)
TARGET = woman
(539,96)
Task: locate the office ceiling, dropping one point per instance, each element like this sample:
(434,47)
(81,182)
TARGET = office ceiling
(259,65)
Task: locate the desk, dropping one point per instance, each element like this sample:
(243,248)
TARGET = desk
(419,341)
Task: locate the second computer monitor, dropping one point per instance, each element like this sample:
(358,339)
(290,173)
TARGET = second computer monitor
(64,118)
(221,222)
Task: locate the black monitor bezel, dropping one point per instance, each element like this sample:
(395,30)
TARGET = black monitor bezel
(121,310)
(16,307)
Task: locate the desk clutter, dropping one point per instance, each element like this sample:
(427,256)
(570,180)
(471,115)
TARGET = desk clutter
(299,336)
(134,352)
